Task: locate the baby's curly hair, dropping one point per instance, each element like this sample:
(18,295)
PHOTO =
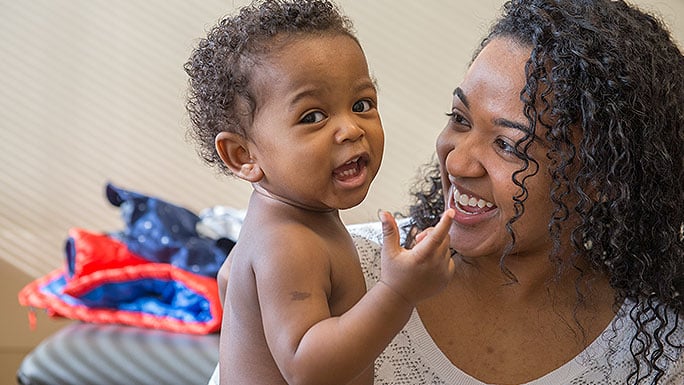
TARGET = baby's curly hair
(220,96)
(614,72)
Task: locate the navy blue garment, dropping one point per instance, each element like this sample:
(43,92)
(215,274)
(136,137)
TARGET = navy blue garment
(162,232)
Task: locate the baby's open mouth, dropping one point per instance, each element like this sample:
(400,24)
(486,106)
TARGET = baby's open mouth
(350,169)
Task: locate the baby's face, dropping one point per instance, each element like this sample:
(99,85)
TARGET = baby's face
(316,133)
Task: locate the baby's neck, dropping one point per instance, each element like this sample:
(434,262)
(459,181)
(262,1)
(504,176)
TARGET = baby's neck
(265,210)
(277,199)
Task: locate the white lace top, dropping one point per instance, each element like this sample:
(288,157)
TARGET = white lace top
(414,358)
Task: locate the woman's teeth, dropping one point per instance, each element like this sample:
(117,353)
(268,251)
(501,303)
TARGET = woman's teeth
(467,200)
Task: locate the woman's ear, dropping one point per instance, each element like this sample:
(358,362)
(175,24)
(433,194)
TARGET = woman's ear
(234,151)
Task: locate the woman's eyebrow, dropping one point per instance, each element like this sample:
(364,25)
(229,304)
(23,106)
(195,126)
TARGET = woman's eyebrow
(502,122)
(517,126)
(511,124)
(459,92)
(499,122)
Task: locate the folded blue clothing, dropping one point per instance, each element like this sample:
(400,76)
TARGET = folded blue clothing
(163,232)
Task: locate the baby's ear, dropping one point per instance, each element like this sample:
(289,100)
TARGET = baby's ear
(234,151)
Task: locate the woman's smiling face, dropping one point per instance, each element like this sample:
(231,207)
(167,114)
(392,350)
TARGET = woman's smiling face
(477,156)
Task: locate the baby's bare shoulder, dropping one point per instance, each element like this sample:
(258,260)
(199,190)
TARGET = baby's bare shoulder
(282,246)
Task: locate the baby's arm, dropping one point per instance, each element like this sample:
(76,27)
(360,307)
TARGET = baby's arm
(311,347)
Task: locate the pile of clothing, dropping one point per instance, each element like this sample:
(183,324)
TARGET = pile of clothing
(159,271)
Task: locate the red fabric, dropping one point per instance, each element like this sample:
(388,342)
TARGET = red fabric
(101,260)
(97,252)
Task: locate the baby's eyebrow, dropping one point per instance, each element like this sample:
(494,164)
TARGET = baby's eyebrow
(308,93)
(376,85)
(364,85)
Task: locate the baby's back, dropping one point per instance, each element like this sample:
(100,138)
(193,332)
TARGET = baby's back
(244,354)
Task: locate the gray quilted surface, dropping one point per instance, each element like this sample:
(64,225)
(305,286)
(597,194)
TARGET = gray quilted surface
(88,354)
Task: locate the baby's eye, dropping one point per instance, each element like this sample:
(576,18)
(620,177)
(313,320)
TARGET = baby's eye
(362,106)
(312,117)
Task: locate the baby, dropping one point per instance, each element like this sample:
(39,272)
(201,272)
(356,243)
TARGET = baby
(281,97)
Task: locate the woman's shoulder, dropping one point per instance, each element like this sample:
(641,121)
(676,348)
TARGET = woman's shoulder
(368,241)
(372,231)
(612,355)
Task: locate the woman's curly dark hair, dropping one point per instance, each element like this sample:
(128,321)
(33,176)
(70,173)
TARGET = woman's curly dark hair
(220,96)
(609,74)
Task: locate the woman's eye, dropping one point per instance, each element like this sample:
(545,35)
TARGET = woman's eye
(362,106)
(457,118)
(505,146)
(313,117)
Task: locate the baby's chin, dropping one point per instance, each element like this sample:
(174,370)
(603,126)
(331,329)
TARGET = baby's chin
(352,199)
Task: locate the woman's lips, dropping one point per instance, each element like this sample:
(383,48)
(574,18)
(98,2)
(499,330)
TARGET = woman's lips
(470,210)
(469,204)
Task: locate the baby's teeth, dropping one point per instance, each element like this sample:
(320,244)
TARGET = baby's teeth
(463,199)
(481,203)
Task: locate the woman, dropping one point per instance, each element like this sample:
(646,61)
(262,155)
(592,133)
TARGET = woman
(563,159)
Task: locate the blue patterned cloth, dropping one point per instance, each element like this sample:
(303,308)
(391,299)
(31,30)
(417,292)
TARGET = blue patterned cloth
(162,232)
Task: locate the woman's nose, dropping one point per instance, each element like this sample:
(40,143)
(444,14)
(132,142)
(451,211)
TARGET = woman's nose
(463,160)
